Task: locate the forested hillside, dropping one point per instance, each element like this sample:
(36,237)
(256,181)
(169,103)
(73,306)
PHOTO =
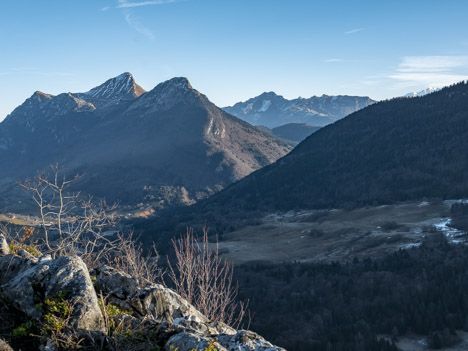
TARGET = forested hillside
(341,307)
(396,150)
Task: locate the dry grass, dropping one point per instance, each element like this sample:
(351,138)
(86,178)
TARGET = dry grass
(338,235)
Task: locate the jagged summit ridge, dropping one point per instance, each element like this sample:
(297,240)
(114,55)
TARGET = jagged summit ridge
(273,110)
(177,84)
(39,95)
(48,106)
(122,87)
(166,95)
(155,137)
(107,95)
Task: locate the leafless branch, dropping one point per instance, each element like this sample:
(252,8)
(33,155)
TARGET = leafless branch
(202,277)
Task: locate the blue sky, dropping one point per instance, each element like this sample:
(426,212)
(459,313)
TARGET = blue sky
(232,50)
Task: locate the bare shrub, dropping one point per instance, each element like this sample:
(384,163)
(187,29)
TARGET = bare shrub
(130,257)
(65,215)
(205,280)
(72,225)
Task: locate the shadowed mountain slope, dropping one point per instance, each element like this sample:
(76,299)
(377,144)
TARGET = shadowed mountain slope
(396,150)
(168,146)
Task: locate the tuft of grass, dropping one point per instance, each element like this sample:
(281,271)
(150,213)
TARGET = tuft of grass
(25,329)
(32,249)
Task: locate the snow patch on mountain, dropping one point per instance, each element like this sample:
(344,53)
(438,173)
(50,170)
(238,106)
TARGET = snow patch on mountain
(427,91)
(247,108)
(265,105)
(272,110)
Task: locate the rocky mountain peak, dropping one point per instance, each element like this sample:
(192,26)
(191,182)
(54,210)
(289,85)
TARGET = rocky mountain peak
(39,95)
(168,94)
(122,87)
(34,103)
(181,84)
(268,94)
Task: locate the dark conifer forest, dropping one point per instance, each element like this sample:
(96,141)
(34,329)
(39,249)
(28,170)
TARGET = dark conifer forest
(397,150)
(345,307)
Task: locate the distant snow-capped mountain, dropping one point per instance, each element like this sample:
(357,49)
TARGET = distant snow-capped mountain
(272,110)
(429,90)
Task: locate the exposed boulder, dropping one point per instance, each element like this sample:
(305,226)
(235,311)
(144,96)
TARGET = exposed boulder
(191,341)
(4,248)
(153,301)
(26,281)
(185,327)
(246,340)
(243,340)
(12,266)
(4,346)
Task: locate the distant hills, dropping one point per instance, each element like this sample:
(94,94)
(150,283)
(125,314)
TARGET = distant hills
(167,146)
(396,150)
(272,110)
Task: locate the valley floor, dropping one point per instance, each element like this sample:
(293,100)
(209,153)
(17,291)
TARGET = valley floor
(337,235)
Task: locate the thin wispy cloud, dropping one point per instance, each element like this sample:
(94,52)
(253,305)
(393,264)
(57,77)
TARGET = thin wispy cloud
(132,21)
(138,26)
(355,30)
(432,63)
(334,60)
(430,71)
(125,4)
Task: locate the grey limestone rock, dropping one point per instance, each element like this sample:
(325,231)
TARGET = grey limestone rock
(25,281)
(4,249)
(4,346)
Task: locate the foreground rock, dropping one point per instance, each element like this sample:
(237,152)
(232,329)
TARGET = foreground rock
(27,281)
(4,346)
(153,300)
(4,249)
(187,327)
(146,316)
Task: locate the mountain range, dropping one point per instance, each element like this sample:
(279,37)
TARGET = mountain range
(167,146)
(272,110)
(396,150)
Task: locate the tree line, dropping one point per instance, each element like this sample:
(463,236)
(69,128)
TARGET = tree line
(338,307)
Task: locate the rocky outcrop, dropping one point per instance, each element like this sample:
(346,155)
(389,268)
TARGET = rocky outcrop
(166,320)
(153,300)
(26,281)
(190,329)
(4,346)
(243,340)
(4,249)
